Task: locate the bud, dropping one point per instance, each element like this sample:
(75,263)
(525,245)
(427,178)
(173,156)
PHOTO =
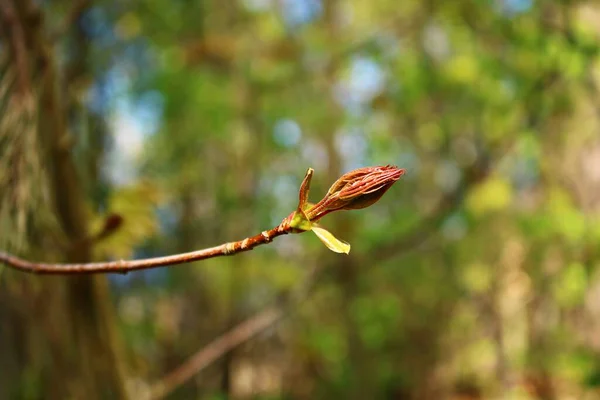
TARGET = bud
(355,190)
(111,224)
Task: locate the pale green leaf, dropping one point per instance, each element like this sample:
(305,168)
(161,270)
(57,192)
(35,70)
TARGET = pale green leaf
(333,243)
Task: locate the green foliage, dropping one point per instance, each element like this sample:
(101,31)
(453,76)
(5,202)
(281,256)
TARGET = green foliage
(494,194)
(474,277)
(571,285)
(136,205)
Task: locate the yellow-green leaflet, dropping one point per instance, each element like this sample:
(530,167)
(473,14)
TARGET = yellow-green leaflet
(333,243)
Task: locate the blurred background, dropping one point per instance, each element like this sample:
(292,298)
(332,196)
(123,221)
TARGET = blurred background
(139,128)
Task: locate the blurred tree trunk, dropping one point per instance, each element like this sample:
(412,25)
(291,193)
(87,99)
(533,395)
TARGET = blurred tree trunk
(76,310)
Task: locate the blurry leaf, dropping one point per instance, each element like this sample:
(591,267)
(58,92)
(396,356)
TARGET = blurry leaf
(463,69)
(492,195)
(592,380)
(570,285)
(331,241)
(430,136)
(373,335)
(477,277)
(128,26)
(575,365)
(269,71)
(257,272)
(218,49)
(594,229)
(481,354)
(135,205)
(327,341)
(269,28)
(566,219)
(376,316)
(413,77)
(529,145)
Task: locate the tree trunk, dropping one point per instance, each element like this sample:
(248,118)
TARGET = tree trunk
(70,319)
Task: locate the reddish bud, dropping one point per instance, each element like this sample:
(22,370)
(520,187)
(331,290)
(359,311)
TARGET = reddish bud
(356,189)
(111,224)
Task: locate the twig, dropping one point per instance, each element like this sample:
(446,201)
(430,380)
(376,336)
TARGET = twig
(354,190)
(262,321)
(216,349)
(234,337)
(124,266)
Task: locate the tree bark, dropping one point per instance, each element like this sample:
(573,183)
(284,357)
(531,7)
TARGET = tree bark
(84,346)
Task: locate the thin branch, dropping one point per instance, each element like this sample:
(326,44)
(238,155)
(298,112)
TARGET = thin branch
(269,317)
(356,189)
(258,323)
(272,315)
(216,349)
(124,266)
(236,336)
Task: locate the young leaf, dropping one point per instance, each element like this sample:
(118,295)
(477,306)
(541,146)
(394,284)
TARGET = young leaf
(333,243)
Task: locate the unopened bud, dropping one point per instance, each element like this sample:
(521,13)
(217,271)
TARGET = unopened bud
(355,190)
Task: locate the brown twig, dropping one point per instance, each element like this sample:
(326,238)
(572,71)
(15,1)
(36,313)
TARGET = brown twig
(236,336)
(124,266)
(216,349)
(255,324)
(355,189)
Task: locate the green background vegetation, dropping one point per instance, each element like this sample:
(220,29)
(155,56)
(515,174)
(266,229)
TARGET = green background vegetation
(475,276)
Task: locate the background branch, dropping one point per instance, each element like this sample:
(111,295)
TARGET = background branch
(217,349)
(236,336)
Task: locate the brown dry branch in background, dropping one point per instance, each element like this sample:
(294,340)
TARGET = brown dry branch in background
(354,190)
(251,327)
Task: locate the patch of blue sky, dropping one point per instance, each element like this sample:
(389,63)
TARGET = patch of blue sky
(132,121)
(315,154)
(513,7)
(351,144)
(410,161)
(448,176)
(106,89)
(148,109)
(300,12)
(138,57)
(258,5)
(112,92)
(287,133)
(365,80)
(284,192)
(525,172)
(96,25)
(455,227)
